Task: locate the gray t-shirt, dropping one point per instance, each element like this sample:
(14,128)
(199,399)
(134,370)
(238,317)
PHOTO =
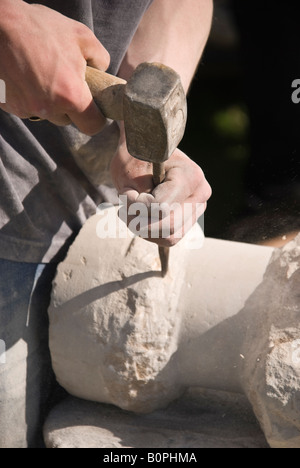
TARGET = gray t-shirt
(45,192)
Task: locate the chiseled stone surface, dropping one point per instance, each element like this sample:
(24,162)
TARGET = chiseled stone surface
(271,373)
(226,317)
(114,321)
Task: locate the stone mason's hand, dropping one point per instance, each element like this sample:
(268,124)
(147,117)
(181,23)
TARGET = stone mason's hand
(184,190)
(43,57)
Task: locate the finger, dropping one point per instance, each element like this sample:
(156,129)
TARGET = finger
(94,52)
(174,188)
(133,196)
(60,120)
(100,61)
(163,224)
(169,241)
(173,222)
(87,116)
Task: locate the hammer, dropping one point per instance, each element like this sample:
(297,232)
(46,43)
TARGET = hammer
(154,109)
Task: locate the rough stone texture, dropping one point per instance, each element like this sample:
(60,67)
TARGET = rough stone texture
(271,373)
(199,419)
(225,317)
(109,340)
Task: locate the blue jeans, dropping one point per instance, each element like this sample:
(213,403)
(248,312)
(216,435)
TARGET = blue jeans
(26,377)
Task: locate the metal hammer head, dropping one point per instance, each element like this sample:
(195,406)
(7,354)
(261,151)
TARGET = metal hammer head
(155,112)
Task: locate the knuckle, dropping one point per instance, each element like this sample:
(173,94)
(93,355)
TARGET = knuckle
(82,31)
(105,59)
(203,186)
(207,191)
(87,39)
(67,96)
(198,173)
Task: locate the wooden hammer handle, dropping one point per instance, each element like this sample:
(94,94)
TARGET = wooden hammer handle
(107,91)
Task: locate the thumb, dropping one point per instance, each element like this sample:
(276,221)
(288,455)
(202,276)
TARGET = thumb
(96,55)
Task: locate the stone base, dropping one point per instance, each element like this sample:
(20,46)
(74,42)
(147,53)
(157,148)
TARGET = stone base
(200,419)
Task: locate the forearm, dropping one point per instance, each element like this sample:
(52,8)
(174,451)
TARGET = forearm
(173,32)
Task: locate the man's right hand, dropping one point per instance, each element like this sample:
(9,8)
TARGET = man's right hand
(43,58)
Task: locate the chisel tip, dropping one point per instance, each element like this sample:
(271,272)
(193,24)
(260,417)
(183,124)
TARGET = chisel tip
(164,260)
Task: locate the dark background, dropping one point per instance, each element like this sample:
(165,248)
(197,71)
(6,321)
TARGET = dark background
(242,126)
